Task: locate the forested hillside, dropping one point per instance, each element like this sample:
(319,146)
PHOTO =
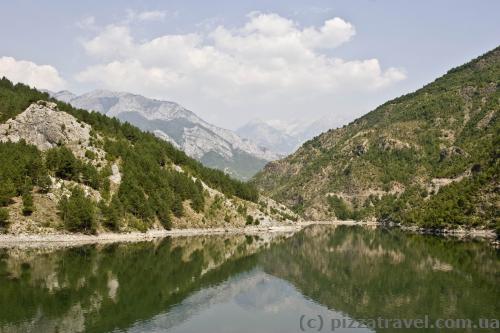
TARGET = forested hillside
(428,158)
(101,173)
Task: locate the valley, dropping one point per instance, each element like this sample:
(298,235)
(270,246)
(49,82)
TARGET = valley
(249,166)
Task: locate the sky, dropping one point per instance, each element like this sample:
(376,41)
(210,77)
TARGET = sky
(235,61)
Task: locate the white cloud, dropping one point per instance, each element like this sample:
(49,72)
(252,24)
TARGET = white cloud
(112,42)
(333,33)
(270,63)
(151,15)
(90,23)
(27,72)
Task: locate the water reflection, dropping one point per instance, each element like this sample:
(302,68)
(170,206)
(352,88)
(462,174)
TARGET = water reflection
(246,283)
(379,273)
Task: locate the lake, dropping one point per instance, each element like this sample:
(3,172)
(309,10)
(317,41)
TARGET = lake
(318,279)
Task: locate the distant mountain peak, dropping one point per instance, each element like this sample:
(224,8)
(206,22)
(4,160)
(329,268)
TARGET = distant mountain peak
(285,136)
(212,145)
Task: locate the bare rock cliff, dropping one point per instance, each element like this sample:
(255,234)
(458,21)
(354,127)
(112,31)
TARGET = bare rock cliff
(44,126)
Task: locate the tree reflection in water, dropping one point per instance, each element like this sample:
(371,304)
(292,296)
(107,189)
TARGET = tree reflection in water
(354,271)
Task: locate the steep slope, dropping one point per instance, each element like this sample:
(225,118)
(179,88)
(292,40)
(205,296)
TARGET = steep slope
(213,146)
(429,157)
(63,168)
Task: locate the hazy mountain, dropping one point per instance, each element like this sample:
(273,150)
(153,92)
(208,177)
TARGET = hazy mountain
(429,157)
(63,95)
(213,146)
(268,136)
(285,137)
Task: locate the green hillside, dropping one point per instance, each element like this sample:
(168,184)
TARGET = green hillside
(428,158)
(151,189)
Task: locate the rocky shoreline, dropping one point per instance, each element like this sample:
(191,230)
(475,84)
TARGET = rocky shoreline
(466,234)
(474,233)
(76,239)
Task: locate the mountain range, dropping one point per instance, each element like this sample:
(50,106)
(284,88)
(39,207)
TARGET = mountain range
(428,158)
(214,146)
(63,168)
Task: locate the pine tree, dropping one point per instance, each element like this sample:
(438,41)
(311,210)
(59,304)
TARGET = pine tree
(4,217)
(112,214)
(28,206)
(7,191)
(62,161)
(78,212)
(177,207)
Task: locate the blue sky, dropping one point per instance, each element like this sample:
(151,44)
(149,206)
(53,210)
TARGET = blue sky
(233,61)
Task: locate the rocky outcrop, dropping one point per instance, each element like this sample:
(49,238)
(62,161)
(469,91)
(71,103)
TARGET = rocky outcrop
(44,126)
(391,144)
(452,151)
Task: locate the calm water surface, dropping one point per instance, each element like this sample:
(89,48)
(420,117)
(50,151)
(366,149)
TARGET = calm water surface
(250,284)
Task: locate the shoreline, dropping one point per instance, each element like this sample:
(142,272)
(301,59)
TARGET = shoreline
(78,239)
(458,232)
(464,233)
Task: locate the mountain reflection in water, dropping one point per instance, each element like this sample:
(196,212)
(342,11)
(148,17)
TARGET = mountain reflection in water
(238,283)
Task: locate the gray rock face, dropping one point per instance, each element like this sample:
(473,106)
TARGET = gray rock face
(212,145)
(44,126)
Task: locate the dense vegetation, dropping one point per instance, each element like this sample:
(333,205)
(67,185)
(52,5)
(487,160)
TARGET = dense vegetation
(78,211)
(21,167)
(383,164)
(150,190)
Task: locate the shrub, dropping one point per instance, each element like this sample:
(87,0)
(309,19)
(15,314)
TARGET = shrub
(62,162)
(242,210)
(28,206)
(249,220)
(44,182)
(177,207)
(89,175)
(163,214)
(7,191)
(90,155)
(21,166)
(4,217)
(339,206)
(112,214)
(78,212)
(138,224)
